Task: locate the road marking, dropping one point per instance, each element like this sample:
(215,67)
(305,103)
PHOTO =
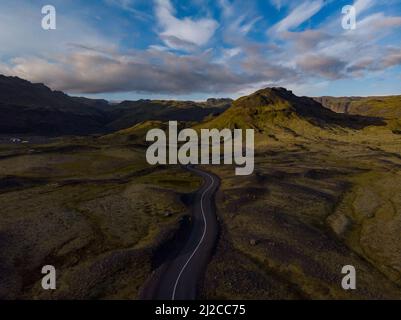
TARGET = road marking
(201,240)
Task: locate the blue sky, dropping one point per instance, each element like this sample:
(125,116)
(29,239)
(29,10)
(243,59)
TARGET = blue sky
(195,49)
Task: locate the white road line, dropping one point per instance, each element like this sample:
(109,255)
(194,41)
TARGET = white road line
(201,240)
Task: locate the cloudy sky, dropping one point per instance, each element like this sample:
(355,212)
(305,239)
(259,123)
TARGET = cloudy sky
(194,49)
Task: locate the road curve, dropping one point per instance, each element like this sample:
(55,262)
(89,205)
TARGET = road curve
(180,276)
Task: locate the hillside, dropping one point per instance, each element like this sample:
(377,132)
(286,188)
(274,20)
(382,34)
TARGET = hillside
(29,108)
(135,134)
(385,107)
(324,194)
(129,113)
(388,108)
(34,108)
(280,113)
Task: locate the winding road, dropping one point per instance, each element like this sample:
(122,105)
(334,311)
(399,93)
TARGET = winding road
(180,276)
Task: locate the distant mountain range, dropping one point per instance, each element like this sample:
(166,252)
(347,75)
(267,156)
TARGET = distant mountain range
(28,108)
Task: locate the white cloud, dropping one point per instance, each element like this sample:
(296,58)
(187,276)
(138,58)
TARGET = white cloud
(232,52)
(392,59)
(92,72)
(299,15)
(277,3)
(182,33)
(78,58)
(227,8)
(239,18)
(21,32)
(326,66)
(228,54)
(363,5)
(280,4)
(128,5)
(243,26)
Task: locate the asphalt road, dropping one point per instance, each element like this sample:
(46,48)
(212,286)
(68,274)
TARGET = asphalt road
(180,277)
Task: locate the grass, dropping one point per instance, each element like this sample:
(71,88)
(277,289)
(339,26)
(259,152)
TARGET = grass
(98,214)
(388,107)
(372,209)
(322,196)
(308,210)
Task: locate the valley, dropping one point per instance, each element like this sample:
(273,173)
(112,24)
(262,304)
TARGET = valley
(324,193)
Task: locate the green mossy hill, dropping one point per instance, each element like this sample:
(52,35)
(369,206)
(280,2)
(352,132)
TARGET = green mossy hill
(135,134)
(277,109)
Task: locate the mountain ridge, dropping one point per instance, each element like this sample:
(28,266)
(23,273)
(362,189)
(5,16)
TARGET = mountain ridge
(275,110)
(385,106)
(32,108)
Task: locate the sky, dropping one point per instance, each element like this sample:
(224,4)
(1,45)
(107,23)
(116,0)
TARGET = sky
(196,49)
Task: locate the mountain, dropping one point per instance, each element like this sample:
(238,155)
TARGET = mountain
(30,108)
(129,113)
(26,107)
(277,110)
(95,103)
(388,108)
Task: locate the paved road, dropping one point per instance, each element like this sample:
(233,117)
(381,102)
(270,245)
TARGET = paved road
(179,278)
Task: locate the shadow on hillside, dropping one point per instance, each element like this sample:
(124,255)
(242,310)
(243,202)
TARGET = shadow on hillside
(323,117)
